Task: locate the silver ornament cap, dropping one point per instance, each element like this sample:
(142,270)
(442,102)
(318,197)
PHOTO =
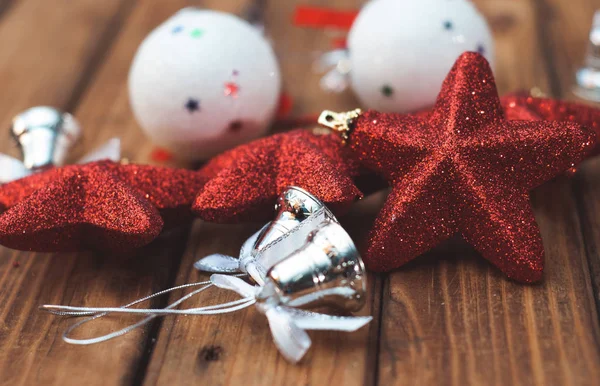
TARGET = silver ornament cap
(293,206)
(45,135)
(588,77)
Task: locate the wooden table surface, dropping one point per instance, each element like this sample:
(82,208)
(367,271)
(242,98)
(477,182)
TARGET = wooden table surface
(448,318)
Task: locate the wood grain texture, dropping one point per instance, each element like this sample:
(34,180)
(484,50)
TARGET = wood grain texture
(568,28)
(451,318)
(49,49)
(52,53)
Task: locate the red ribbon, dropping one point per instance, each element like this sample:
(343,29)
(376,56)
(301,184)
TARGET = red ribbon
(318,17)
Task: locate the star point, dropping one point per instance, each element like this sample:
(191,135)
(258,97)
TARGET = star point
(99,205)
(245,181)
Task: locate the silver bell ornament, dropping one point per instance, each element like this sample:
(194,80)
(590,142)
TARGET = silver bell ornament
(45,137)
(326,271)
(588,77)
(298,213)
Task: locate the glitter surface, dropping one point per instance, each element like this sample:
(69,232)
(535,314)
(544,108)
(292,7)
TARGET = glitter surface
(464,169)
(519,106)
(246,181)
(101,205)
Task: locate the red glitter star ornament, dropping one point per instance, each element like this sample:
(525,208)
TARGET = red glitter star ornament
(520,106)
(464,169)
(246,180)
(101,205)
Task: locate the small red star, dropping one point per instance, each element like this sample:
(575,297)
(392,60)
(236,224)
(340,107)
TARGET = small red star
(101,205)
(464,169)
(246,181)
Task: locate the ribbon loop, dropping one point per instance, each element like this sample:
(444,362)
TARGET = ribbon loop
(292,341)
(234,284)
(218,263)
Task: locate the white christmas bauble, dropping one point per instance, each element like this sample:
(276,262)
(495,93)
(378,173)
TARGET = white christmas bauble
(401,50)
(202,82)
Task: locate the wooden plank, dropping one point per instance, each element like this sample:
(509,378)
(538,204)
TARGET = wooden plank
(451,318)
(5,6)
(238,348)
(69,43)
(48,50)
(568,28)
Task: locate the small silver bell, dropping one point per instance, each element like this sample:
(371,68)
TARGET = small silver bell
(298,214)
(326,271)
(44,136)
(293,206)
(588,77)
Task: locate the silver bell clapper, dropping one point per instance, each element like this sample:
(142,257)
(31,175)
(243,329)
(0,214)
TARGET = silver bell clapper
(588,77)
(45,136)
(298,213)
(326,270)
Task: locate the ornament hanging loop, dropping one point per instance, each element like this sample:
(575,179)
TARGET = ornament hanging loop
(342,123)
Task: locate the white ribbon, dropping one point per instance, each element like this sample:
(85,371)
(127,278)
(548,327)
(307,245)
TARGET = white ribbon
(12,169)
(288,324)
(219,263)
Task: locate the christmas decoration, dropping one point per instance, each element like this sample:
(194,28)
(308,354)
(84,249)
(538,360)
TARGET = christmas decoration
(202,82)
(298,212)
(323,270)
(588,78)
(45,136)
(524,107)
(464,169)
(246,180)
(100,205)
(399,51)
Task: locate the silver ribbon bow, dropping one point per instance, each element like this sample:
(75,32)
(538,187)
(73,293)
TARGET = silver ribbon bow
(288,325)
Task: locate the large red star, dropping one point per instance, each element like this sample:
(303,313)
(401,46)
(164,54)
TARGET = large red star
(101,205)
(245,181)
(464,169)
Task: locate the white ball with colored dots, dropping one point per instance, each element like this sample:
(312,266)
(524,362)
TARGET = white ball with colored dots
(401,51)
(203,82)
